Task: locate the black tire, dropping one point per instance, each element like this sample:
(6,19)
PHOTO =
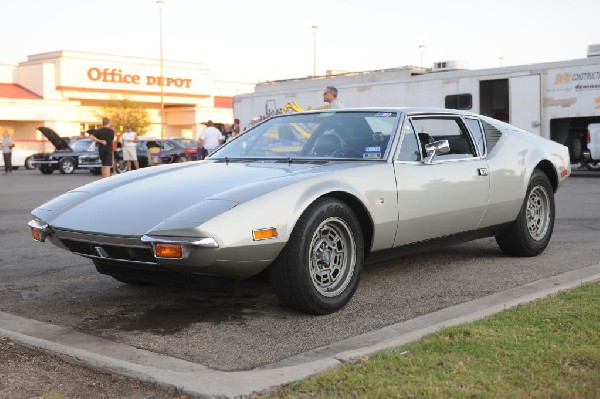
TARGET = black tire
(530,233)
(46,170)
(593,165)
(67,166)
(182,158)
(96,171)
(28,164)
(312,274)
(122,166)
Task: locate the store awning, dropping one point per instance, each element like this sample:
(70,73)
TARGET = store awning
(10,90)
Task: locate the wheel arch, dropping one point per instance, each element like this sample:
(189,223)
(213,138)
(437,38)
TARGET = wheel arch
(548,169)
(359,209)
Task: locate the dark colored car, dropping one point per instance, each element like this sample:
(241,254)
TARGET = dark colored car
(65,158)
(152,151)
(189,144)
(71,154)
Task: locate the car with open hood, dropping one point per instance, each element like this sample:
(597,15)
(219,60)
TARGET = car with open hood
(70,154)
(311,197)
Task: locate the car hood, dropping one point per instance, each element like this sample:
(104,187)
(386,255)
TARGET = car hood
(54,138)
(133,203)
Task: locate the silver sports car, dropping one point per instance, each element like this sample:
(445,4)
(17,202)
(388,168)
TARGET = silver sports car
(312,196)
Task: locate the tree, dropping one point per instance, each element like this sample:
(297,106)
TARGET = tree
(126,111)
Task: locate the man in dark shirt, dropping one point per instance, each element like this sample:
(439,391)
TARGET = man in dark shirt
(104,137)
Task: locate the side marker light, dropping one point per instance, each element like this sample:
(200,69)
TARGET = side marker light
(264,234)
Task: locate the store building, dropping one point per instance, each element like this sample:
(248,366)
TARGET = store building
(66,91)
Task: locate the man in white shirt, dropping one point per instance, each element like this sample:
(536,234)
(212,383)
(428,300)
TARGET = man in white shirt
(129,139)
(330,96)
(210,138)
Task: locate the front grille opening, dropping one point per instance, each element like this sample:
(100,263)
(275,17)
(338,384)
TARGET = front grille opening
(132,254)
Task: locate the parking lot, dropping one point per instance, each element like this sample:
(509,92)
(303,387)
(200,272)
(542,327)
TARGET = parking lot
(247,328)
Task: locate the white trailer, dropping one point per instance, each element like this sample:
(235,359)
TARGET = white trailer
(556,100)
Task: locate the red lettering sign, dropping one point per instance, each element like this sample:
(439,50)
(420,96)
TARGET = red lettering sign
(114,75)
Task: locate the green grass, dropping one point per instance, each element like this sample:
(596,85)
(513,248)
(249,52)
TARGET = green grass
(546,349)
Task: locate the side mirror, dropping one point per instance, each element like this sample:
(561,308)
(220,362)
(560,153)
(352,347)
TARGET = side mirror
(436,148)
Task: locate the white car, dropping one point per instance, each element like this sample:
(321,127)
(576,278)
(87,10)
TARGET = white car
(20,158)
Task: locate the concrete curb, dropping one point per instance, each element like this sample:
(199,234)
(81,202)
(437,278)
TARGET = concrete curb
(200,381)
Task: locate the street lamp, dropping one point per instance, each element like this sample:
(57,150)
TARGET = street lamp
(422,48)
(161,4)
(315,28)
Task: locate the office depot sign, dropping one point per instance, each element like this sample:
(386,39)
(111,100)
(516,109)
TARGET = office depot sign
(115,75)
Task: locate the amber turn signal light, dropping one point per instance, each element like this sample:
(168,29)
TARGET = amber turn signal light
(163,250)
(35,233)
(263,234)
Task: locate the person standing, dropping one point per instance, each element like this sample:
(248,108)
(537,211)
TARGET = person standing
(104,137)
(129,140)
(330,96)
(7,146)
(210,138)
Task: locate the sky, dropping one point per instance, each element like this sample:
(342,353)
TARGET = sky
(255,41)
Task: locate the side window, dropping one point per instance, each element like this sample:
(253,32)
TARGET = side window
(436,128)
(166,145)
(459,101)
(475,128)
(409,146)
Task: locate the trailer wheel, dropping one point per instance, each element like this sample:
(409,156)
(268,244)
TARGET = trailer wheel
(593,165)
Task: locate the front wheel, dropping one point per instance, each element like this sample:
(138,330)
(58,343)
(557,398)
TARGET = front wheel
(66,166)
(530,233)
(318,270)
(593,165)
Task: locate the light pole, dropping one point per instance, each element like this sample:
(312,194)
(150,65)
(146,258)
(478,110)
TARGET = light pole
(422,48)
(161,4)
(315,28)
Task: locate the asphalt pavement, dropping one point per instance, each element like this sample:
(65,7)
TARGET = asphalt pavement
(54,301)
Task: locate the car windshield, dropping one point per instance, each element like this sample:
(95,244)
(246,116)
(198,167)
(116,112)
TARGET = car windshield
(80,145)
(363,135)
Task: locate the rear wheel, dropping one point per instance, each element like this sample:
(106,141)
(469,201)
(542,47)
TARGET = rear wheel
(318,270)
(530,233)
(121,166)
(66,166)
(28,164)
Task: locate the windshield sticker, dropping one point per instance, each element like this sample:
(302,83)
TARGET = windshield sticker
(383,114)
(373,152)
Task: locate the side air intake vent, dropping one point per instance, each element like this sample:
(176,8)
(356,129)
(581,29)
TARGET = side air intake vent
(492,135)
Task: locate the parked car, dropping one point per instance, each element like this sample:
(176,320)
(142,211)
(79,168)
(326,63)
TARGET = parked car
(311,196)
(163,150)
(189,144)
(70,154)
(20,158)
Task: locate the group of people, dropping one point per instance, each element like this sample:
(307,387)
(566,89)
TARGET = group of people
(107,146)
(211,138)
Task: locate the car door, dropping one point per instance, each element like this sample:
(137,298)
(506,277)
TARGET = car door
(448,195)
